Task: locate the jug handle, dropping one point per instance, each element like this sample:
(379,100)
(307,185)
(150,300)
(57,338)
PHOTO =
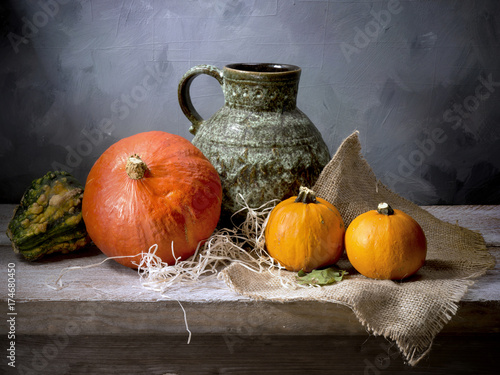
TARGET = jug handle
(185,98)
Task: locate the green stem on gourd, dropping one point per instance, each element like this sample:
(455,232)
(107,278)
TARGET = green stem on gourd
(306,195)
(384,209)
(135,167)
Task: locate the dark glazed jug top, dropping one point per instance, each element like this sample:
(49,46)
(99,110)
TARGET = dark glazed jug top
(265,72)
(264,67)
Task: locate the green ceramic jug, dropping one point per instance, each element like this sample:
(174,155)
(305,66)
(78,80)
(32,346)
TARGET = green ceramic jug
(261,144)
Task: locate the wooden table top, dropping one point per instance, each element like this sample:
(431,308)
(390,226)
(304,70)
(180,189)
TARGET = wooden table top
(97,295)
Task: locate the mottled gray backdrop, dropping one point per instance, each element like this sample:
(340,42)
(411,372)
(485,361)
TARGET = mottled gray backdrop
(420,80)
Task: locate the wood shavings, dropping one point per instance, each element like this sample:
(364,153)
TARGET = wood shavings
(243,244)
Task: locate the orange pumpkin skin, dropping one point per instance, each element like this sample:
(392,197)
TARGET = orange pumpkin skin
(385,246)
(177,199)
(305,236)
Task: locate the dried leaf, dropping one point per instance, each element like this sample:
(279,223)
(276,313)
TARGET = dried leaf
(321,277)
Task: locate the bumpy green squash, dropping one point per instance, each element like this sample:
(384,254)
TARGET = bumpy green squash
(49,217)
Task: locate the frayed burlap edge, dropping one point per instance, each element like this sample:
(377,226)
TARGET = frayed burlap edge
(415,346)
(480,259)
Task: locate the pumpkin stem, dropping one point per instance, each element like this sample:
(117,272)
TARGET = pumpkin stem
(385,209)
(306,195)
(135,167)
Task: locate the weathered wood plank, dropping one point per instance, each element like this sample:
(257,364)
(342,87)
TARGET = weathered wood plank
(93,298)
(113,282)
(248,318)
(483,219)
(290,355)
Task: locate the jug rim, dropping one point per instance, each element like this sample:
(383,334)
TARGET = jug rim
(263,68)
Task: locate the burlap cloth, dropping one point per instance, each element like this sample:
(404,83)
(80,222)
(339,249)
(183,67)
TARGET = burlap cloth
(411,312)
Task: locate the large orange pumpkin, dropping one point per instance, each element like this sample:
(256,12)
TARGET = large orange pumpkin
(385,244)
(305,232)
(151,188)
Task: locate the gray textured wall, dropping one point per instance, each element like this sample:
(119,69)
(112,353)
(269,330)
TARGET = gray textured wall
(420,80)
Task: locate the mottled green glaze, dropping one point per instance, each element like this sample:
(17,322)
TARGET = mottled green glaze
(261,144)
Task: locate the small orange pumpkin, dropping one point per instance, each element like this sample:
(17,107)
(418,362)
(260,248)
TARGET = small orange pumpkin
(305,232)
(151,188)
(385,244)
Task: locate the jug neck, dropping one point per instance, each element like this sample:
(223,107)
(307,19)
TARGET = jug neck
(262,87)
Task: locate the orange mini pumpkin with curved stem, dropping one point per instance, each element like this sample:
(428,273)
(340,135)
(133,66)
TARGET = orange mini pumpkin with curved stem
(151,188)
(385,244)
(305,232)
